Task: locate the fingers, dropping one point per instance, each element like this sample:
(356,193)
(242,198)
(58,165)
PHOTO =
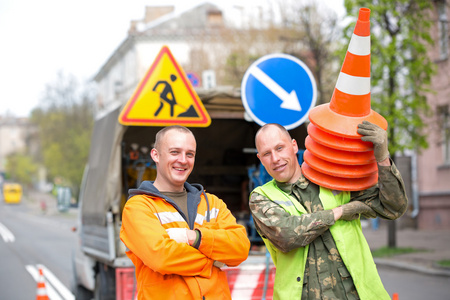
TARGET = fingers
(366,132)
(353,209)
(367,125)
(368,138)
(360,206)
(370,213)
(366,128)
(371,132)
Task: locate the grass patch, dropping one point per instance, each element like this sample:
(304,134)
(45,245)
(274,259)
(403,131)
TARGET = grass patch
(388,252)
(444,263)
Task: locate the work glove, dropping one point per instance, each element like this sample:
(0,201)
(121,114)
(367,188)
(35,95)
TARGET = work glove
(373,133)
(353,209)
(178,234)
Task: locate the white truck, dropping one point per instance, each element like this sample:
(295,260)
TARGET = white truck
(119,160)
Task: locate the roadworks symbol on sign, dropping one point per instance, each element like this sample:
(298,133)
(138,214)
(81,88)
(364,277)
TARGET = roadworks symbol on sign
(165,97)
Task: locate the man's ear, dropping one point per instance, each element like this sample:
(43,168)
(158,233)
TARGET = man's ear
(257,155)
(155,155)
(294,144)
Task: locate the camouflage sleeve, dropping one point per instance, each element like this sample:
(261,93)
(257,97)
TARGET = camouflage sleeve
(285,231)
(388,198)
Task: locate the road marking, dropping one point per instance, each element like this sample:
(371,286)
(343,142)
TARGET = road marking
(57,284)
(289,100)
(7,235)
(55,289)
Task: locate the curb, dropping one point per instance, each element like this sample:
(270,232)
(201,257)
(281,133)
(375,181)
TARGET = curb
(412,267)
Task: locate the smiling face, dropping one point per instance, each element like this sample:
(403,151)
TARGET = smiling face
(277,152)
(174,155)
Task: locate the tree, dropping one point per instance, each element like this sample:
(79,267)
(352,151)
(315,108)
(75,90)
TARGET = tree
(21,168)
(64,121)
(306,31)
(316,34)
(401,69)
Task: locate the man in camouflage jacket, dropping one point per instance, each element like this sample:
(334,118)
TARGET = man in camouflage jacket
(326,276)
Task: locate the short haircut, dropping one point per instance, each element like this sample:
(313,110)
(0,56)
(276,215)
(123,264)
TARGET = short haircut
(281,128)
(160,134)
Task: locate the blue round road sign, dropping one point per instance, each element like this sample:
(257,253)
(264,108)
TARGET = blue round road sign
(278,88)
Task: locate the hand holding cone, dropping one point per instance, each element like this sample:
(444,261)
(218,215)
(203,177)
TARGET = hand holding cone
(377,136)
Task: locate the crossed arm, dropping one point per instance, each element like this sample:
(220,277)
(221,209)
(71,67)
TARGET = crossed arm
(222,240)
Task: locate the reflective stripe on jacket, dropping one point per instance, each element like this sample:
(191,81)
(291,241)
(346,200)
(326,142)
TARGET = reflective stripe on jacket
(349,240)
(166,269)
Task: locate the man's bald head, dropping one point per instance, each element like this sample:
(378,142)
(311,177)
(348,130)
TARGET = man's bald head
(271,125)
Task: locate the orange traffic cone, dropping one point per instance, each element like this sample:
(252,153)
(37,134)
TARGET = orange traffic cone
(395,296)
(335,156)
(41,290)
(350,103)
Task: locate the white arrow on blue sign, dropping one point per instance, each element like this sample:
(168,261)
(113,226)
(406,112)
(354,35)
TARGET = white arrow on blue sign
(278,88)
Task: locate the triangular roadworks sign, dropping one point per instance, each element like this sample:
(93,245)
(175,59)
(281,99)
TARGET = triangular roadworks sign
(165,97)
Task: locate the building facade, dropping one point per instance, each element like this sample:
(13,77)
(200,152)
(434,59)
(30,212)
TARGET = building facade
(204,40)
(14,137)
(192,36)
(433,163)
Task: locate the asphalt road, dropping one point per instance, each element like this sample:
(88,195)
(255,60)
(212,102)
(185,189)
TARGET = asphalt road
(29,241)
(414,285)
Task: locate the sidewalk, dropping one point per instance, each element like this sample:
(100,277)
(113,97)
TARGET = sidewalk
(46,204)
(435,243)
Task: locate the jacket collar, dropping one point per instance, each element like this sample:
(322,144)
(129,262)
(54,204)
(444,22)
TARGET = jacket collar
(302,183)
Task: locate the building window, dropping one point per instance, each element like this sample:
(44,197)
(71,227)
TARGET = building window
(444,115)
(443,29)
(215,18)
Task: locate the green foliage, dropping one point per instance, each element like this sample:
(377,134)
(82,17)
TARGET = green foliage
(401,69)
(236,65)
(315,29)
(444,263)
(64,122)
(307,31)
(389,251)
(21,168)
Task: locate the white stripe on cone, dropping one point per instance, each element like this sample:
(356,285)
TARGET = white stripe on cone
(353,85)
(359,45)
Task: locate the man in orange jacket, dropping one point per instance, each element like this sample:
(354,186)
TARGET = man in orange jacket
(177,235)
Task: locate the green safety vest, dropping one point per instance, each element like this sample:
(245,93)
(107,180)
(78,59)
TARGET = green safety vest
(349,239)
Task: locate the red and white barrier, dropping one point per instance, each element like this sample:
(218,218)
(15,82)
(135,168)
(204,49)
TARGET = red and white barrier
(247,281)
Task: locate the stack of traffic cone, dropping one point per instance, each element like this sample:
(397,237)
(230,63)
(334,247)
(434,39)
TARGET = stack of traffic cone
(335,156)
(41,293)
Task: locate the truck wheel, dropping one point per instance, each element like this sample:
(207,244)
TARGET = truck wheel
(105,283)
(82,293)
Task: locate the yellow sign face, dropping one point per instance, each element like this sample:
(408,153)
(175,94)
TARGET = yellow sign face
(165,97)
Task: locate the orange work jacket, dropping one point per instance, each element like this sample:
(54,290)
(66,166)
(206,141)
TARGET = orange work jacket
(166,269)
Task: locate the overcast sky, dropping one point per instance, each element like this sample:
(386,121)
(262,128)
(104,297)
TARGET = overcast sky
(38,38)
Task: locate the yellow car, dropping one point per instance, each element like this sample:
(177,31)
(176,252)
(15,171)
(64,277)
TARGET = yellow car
(12,192)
